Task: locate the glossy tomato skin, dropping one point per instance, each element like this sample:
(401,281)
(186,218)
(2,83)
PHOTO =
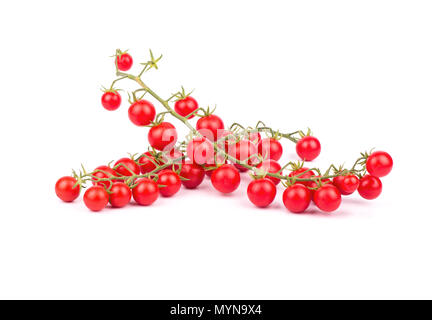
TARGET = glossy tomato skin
(297,198)
(186,106)
(65,190)
(103,172)
(124,62)
(270,148)
(308,148)
(125,166)
(346,184)
(163,136)
(141,112)
(379,164)
(111,100)
(327,198)
(194,173)
(146,192)
(96,198)
(271,166)
(200,150)
(225,179)
(120,195)
(171,182)
(242,151)
(210,126)
(303,173)
(261,192)
(370,187)
(147,162)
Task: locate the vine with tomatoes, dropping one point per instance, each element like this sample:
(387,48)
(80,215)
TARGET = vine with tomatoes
(222,153)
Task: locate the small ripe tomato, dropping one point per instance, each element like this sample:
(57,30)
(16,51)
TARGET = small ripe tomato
(120,195)
(303,173)
(346,184)
(147,162)
(296,198)
(270,166)
(261,192)
(124,61)
(194,173)
(370,187)
(270,148)
(211,127)
(65,190)
(200,150)
(254,137)
(141,112)
(244,150)
(186,106)
(145,192)
(126,167)
(226,178)
(96,198)
(171,183)
(379,164)
(111,100)
(215,162)
(313,185)
(327,198)
(103,172)
(308,148)
(163,136)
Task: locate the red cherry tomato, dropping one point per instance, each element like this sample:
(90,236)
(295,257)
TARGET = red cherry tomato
(171,182)
(120,195)
(314,185)
(194,173)
(175,156)
(111,100)
(254,137)
(303,173)
(126,167)
(242,151)
(186,106)
(379,164)
(226,178)
(96,198)
(308,148)
(346,184)
(103,172)
(327,198)
(270,148)
(147,162)
(261,192)
(141,112)
(200,150)
(145,192)
(296,198)
(211,127)
(225,144)
(124,61)
(370,187)
(270,166)
(65,189)
(163,136)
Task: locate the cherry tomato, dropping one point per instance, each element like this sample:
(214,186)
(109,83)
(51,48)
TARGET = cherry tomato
(147,162)
(65,190)
(346,184)
(124,61)
(303,173)
(215,162)
(171,182)
(120,195)
(314,185)
(270,166)
(200,150)
(174,156)
(270,148)
(224,145)
(96,198)
(327,198)
(210,126)
(226,178)
(308,148)
(141,112)
(126,167)
(111,100)
(186,106)
(296,198)
(379,164)
(242,151)
(194,173)
(261,192)
(254,137)
(370,187)
(145,192)
(103,172)
(163,136)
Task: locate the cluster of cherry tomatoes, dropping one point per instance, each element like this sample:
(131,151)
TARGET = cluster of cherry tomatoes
(221,154)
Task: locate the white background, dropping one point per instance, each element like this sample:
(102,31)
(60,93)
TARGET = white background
(359,73)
